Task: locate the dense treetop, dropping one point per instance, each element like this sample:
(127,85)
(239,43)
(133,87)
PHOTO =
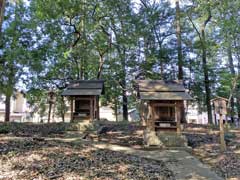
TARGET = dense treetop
(45,44)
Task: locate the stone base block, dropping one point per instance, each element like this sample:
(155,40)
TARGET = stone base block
(172,139)
(150,138)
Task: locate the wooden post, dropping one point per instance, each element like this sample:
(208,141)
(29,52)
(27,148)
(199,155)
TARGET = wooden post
(142,110)
(215,115)
(151,120)
(220,105)
(222,140)
(177,117)
(97,105)
(71,106)
(49,112)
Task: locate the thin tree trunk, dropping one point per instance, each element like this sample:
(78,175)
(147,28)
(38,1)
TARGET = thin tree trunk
(180,59)
(53,112)
(230,59)
(7,108)
(238,108)
(179,42)
(231,66)
(125,101)
(100,68)
(238,70)
(161,69)
(63,109)
(116,109)
(232,110)
(81,70)
(124,91)
(49,112)
(97,106)
(51,102)
(2,9)
(122,55)
(206,76)
(202,38)
(222,140)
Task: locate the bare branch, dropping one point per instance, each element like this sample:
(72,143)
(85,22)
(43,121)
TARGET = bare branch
(194,26)
(208,18)
(76,31)
(144,3)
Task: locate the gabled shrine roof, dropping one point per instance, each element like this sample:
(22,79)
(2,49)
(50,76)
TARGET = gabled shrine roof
(162,90)
(84,87)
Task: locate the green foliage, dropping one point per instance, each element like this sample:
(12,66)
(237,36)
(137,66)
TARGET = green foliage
(61,105)
(48,43)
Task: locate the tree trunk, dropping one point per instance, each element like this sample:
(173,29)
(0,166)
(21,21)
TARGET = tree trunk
(222,140)
(97,106)
(202,38)
(232,70)
(179,42)
(125,101)
(206,76)
(230,59)
(53,112)
(116,109)
(49,112)
(180,59)
(100,68)
(63,117)
(124,91)
(63,109)
(232,110)
(7,108)
(238,111)
(81,70)
(2,8)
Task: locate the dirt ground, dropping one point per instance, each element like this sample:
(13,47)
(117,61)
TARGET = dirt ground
(205,144)
(38,154)
(203,139)
(26,153)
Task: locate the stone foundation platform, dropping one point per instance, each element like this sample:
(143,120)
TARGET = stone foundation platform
(165,140)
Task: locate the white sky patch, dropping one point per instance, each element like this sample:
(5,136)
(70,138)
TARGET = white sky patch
(27,2)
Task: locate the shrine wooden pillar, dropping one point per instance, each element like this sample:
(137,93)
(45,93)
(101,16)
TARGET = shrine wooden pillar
(150,118)
(178,107)
(97,106)
(91,109)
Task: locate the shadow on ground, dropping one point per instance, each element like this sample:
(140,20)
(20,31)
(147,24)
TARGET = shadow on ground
(52,159)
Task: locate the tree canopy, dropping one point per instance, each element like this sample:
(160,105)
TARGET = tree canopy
(45,44)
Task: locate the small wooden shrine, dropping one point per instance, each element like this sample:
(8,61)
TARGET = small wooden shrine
(84,98)
(220,107)
(161,103)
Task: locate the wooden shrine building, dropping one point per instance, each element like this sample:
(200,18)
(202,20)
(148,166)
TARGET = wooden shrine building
(84,98)
(161,103)
(220,107)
